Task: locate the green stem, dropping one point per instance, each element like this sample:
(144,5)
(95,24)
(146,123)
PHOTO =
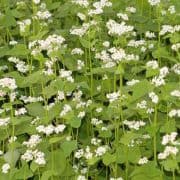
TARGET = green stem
(155,139)
(174,176)
(127,163)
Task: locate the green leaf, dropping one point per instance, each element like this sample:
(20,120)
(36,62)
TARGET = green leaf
(105,134)
(35,78)
(68,147)
(4,51)
(24,172)
(53,88)
(151,72)
(168,127)
(21,119)
(109,158)
(36,109)
(75,122)
(58,161)
(56,139)
(128,137)
(12,157)
(8,20)
(19,50)
(146,172)
(139,90)
(85,43)
(163,52)
(170,165)
(47,174)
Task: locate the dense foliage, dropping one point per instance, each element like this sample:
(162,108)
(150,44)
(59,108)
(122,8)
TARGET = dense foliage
(89,89)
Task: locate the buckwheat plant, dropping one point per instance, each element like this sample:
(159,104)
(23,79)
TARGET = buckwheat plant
(89,89)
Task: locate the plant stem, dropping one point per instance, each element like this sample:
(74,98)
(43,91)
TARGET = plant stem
(155,127)
(174,176)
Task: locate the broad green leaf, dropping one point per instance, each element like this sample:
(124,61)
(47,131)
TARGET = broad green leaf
(24,172)
(36,109)
(109,158)
(12,157)
(58,161)
(68,147)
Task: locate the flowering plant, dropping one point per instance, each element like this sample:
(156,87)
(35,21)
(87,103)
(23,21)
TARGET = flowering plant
(89,89)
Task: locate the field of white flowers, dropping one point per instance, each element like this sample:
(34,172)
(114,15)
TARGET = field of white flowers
(89,89)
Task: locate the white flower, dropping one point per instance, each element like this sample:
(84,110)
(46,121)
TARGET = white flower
(142,104)
(30,99)
(81,16)
(154,97)
(33,141)
(154,2)
(59,128)
(164,71)
(5,168)
(66,74)
(95,141)
(98,110)
(36,1)
(4,121)
(39,157)
(149,34)
(81,177)
(158,81)
(13,42)
(152,64)
(175,93)
(66,108)
(95,121)
(169,138)
(87,153)
(118,178)
(24,24)
(43,14)
(171,9)
(134,124)
(168,151)
(12,139)
(142,161)
(81,114)
(78,51)
(80,31)
(113,96)
(100,150)
(123,16)
(150,110)
(137,43)
(175,47)
(9,83)
(115,28)
(27,156)
(60,95)
(20,111)
(106,43)
(132,82)
(174,112)
(176,68)
(83,3)
(131,9)
(79,153)
(80,64)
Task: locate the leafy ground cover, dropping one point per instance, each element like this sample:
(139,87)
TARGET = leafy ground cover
(89,89)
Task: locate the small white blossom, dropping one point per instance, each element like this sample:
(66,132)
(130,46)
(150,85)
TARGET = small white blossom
(154,2)
(143,160)
(5,168)
(154,97)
